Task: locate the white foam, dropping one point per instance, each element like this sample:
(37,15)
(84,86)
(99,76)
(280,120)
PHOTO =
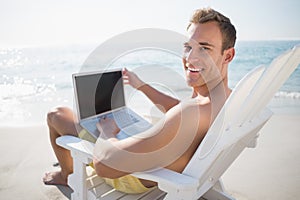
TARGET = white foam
(287,95)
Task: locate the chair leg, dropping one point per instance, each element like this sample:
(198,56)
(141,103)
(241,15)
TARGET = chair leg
(77,180)
(217,192)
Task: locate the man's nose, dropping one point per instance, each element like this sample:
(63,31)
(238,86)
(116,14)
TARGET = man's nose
(193,57)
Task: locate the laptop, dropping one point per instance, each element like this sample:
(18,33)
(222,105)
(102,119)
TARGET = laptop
(101,95)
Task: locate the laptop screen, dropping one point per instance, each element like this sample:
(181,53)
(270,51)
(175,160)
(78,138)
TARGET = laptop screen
(99,92)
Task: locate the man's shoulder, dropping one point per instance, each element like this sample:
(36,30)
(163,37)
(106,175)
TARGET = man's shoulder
(192,108)
(194,103)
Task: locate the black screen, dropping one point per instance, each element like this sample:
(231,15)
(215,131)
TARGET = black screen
(99,92)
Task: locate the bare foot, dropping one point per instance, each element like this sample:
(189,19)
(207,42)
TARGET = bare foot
(54,178)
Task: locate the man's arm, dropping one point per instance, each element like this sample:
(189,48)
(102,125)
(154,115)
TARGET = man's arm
(162,101)
(172,140)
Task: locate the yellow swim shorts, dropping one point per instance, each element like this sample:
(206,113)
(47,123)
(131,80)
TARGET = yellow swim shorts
(127,184)
(85,135)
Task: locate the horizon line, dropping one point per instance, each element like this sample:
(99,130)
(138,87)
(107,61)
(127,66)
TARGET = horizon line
(49,45)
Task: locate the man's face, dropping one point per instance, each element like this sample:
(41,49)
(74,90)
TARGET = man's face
(203,59)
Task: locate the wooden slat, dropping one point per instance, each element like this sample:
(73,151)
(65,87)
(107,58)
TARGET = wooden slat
(162,197)
(133,196)
(136,196)
(112,195)
(153,195)
(93,181)
(99,190)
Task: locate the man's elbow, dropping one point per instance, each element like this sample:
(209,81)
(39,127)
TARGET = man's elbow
(105,171)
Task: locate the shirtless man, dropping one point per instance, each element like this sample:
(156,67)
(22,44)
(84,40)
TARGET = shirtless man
(207,54)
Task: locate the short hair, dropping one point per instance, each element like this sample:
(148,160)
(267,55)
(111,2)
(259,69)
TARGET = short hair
(227,29)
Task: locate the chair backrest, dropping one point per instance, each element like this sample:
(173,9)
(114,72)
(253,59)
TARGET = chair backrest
(273,78)
(232,106)
(240,119)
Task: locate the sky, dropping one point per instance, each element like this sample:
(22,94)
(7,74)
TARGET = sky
(52,22)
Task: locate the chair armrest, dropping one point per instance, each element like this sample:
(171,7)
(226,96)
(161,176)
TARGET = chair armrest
(79,148)
(162,176)
(169,180)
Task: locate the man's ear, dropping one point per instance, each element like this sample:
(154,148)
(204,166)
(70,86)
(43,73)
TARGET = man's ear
(229,54)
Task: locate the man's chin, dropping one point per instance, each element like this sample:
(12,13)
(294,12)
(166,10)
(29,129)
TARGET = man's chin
(210,84)
(194,83)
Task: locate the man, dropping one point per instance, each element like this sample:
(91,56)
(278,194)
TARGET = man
(171,142)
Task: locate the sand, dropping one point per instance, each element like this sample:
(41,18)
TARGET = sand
(270,171)
(26,155)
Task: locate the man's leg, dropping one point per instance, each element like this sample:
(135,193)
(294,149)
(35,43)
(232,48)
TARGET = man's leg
(61,121)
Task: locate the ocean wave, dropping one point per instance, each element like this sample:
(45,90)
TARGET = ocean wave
(287,95)
(24,89)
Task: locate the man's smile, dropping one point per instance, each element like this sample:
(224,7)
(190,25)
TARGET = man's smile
(194,70)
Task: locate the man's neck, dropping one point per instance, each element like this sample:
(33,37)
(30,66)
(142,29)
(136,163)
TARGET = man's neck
(220,89)
(215,98)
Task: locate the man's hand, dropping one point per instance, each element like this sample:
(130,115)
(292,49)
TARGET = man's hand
(107,128)
(163,101)
(132,79)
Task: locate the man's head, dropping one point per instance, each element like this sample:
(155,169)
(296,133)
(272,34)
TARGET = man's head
(228,31)
(209,49)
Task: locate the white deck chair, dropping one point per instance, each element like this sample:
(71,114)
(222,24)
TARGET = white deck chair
(235,128)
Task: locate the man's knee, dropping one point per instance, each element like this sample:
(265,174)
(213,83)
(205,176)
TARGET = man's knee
(56,114)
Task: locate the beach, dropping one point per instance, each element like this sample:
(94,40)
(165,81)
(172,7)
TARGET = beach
(270,171)
(26,155)
(46,44)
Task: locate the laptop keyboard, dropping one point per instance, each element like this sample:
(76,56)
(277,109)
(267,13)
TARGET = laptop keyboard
(128,123)
(124,119)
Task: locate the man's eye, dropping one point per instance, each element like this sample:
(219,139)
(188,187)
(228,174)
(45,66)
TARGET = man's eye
(204,48)
(187,48)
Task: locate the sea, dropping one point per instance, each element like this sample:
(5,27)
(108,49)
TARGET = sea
(35,79)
